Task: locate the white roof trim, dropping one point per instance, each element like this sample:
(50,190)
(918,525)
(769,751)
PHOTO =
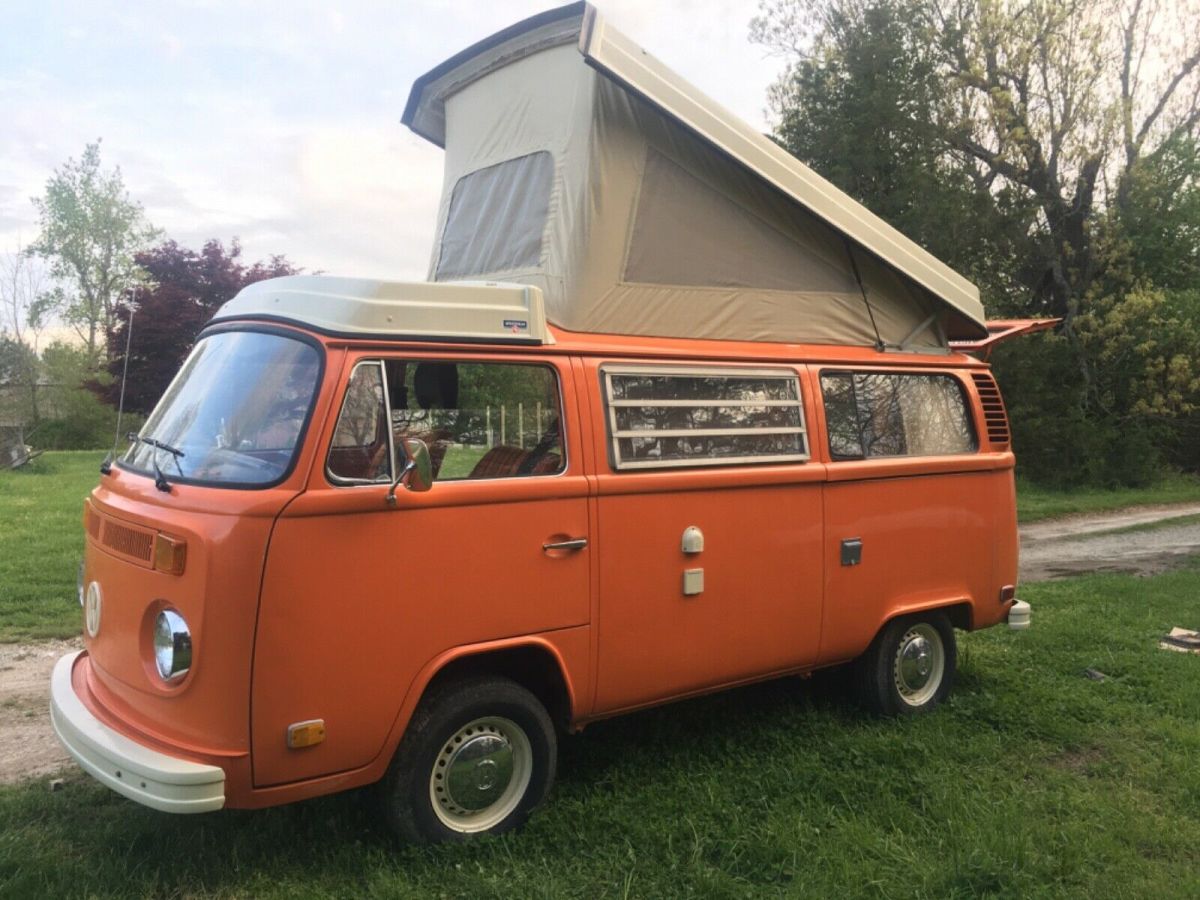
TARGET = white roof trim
(364,308)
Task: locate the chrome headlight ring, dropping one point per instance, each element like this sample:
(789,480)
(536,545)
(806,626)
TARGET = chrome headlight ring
(172,646)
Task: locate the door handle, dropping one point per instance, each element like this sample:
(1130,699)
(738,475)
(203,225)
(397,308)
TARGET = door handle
(572,544)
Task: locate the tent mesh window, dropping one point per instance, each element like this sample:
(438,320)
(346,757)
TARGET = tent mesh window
(497,217)
(661,417)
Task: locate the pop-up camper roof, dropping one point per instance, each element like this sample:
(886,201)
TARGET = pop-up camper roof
(578,163)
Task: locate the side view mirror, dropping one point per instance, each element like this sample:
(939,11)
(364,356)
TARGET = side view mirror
(417,472)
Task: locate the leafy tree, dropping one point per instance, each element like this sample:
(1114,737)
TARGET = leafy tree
(90,231)
(1059,104)
(79,420)
(20,291)
(15,359)
(1047,149)
(1160,218)
(183,289)
(859,105)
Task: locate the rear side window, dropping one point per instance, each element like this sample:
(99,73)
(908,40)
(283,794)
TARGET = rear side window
(873,414)
(661,417)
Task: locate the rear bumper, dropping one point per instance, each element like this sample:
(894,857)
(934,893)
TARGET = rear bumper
(1019,615)
(150,777)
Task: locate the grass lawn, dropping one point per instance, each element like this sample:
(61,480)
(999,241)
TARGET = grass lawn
(1034,502)
(1033,781)
(41,543)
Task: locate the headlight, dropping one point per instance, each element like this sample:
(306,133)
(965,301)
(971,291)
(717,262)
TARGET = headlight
(172,645)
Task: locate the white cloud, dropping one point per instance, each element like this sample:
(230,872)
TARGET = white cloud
(278,121)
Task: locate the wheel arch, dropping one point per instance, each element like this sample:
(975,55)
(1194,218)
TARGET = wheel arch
(533,662)
(960,613)
(534,665)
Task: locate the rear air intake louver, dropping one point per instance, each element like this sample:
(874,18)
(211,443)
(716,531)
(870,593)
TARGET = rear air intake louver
(994,416)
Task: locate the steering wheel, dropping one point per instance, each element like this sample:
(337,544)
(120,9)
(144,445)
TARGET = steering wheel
(548,441)
(244,460)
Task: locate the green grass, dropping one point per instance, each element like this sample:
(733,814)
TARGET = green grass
(460,460)
(41,543)
(1034,502)
(1033,781)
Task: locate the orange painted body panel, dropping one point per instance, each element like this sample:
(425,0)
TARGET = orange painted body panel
(314,601)
(358,597)
(760,608)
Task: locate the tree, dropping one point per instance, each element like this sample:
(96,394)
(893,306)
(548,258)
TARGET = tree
(1047,149)
(20,292)
(183,289)
(1059,103)
(859,106)
(90,231)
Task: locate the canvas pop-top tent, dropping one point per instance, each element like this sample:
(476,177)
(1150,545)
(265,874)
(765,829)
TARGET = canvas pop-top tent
(578,163)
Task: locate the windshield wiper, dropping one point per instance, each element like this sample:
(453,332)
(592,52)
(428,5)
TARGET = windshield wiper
(174,451)
(160,479)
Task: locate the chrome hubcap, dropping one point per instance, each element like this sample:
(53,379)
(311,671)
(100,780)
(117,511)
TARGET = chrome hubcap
(481,774)
(919,665)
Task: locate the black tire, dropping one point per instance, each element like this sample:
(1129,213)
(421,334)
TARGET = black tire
(888,688)
(472,727)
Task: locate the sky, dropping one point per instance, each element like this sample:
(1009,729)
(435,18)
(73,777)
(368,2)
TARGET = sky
(279,122)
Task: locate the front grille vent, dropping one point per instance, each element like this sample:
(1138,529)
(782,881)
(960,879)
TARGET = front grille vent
(994,416)
(131,542)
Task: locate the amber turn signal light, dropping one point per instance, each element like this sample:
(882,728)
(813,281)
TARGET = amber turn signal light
(170,554)
(306,734)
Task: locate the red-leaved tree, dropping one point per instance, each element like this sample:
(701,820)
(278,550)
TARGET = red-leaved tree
(183,289)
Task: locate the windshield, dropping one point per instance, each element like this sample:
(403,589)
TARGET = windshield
(233,414)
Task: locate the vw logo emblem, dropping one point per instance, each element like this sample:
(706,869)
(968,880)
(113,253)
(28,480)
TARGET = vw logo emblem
(91,609)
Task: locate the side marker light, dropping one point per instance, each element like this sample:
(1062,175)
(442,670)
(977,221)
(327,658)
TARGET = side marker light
(306,734)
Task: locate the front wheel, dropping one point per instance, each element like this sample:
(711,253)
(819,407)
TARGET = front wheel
(478,756)
(909,667)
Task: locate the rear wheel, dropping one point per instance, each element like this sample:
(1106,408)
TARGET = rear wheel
(909,667)
(478,756)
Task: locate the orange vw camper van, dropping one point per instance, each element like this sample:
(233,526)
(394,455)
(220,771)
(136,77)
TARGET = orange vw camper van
(671,414)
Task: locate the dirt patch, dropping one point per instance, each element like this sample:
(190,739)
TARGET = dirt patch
(28,746)
(1102,544)
(1081,524)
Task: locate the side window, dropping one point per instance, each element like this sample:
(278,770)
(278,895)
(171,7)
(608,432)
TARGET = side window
(873,414)
(359,452)
(479,420)
(662,417)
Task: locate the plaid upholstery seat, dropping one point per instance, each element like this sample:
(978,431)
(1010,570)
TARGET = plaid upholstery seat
(505,462)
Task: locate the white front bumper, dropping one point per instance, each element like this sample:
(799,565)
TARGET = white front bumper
(151,778)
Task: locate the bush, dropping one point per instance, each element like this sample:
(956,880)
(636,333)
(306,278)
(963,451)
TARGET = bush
(75,418)
(1062,442)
